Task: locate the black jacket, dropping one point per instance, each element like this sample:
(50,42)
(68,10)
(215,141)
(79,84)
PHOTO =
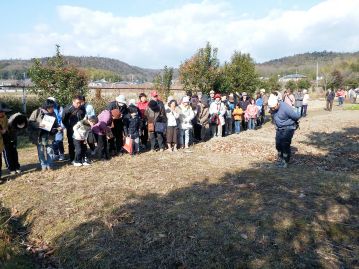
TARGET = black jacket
(114,105)
(71,115)
(132,126)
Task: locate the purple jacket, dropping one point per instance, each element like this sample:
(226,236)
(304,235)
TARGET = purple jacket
(104,123)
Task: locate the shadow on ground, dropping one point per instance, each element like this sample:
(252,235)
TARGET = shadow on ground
(253,218)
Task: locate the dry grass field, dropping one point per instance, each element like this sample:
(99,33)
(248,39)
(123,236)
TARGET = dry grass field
(222,205)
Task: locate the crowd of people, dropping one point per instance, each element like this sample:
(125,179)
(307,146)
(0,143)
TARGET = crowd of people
(148,124)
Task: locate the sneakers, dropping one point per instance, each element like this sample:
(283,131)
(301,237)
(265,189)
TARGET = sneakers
(77,164)
(61,157)
(18,171)
(86,164)
(12,173)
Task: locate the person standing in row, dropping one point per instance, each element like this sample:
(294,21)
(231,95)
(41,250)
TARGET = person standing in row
(217,111)
(186,116)
(172,114)
(81,131)
(16,123)
(70,116)
(237,115)
(142,106)
(155,113)
(116,143)
(3,129)
(42,135)
(203,118)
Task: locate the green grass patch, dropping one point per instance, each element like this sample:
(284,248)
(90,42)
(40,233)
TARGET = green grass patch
(351,107)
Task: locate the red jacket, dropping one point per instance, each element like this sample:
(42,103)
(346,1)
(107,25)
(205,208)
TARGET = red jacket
(142,106)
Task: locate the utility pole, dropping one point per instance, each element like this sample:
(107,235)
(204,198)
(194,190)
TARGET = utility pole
(317,74)
(24,95)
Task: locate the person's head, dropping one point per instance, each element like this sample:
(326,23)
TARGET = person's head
(143,97)
(273,103)
(189,93)
(132,109)
(194,100)
(153,105)
(237,105)
(154,95)
(185,101)
(77,101)
(244,96)
(262,91)
(121,100)
(212,94)
(92,120)
(224,98)
(3,110)
(252,101)
(172,104)
(49,106)
(258,95)
(231,98)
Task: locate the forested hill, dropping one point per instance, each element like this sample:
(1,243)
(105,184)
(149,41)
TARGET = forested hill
(307,63)
(116,70)
(98,67)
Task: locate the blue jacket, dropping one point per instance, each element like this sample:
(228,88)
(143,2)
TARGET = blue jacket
(285,117)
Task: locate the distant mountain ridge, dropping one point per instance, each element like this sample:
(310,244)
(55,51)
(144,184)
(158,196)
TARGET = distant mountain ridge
(126,71)
(305,62)
(302,63)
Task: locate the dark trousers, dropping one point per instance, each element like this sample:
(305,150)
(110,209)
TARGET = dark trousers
(11,156)
(58,147)
(156,136)
(304,110)
(330,105)
(101,150)
(244,125)
(197,131)
(80,150)
(283,139)
(71,144)
(172,134)
(0,164)
(116,143)
(144,135)
(229,126)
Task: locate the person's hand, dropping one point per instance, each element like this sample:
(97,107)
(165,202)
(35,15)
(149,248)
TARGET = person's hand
(59,129)
(41,125)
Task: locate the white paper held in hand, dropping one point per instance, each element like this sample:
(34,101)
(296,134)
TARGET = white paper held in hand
(47,123)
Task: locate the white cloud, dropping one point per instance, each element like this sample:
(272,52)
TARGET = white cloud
(171,36)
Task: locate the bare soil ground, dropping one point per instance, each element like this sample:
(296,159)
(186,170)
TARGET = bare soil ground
(223,205)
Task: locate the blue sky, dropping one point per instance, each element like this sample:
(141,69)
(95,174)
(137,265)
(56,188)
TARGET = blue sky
(158,33)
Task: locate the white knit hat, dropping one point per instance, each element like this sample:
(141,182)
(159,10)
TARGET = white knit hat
(121,99)
(272,101)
